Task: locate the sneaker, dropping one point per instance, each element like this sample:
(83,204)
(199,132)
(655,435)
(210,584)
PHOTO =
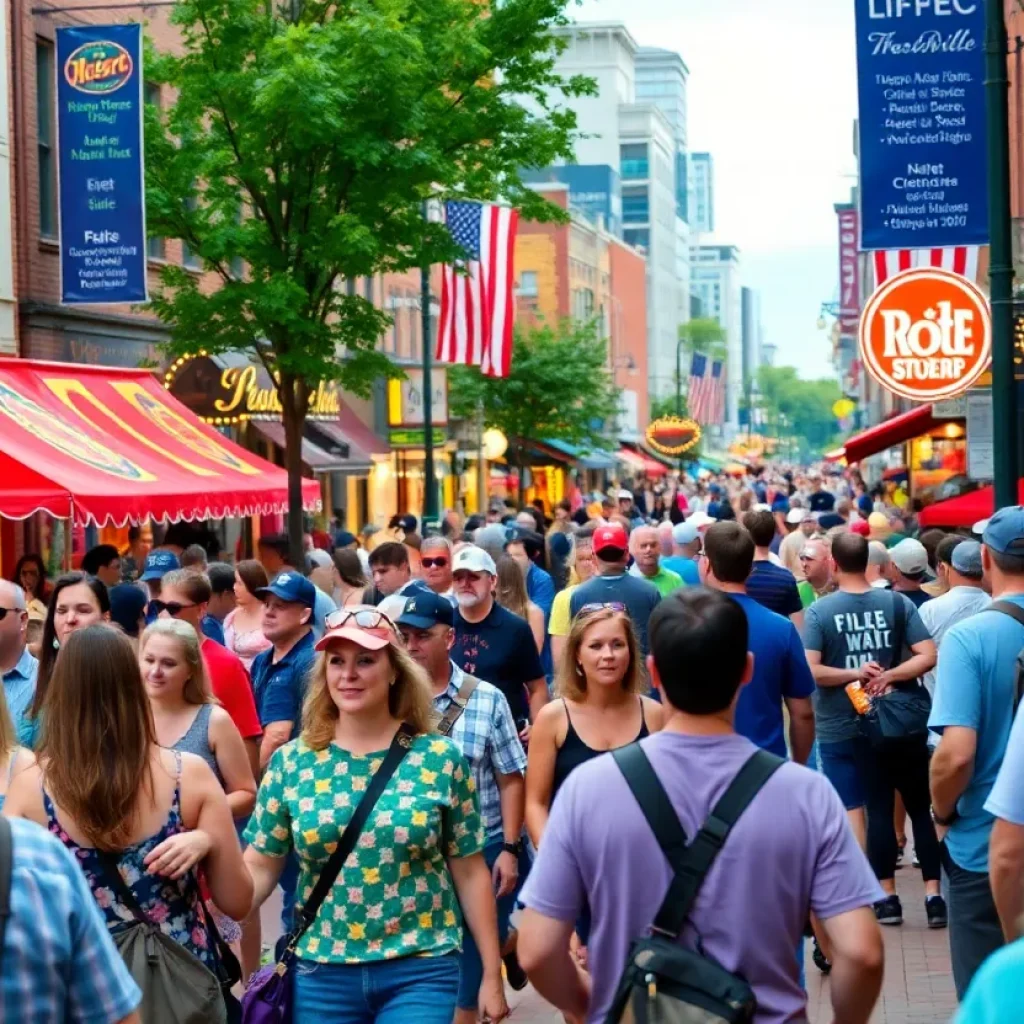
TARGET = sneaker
(514,974)
(823,965)
(935,908)
(916,862)
(889,910)
(899,854)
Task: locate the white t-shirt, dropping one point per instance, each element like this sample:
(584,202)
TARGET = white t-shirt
(940,613)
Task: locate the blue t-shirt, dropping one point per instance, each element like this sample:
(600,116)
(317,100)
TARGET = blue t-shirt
(639,597)
(774,587)
(974,688)
(780,670)
(685,567)
(540,589)
(280,687)
(996,995)
(212,628)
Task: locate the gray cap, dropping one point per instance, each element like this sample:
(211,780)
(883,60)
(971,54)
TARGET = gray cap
(966,559)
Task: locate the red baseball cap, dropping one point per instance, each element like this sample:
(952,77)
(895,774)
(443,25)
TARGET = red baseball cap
(861,527)
(609,538)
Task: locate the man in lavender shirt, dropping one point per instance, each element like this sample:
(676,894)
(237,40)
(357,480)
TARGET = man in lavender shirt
(790,853)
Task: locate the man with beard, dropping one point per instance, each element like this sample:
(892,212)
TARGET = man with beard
(492,643)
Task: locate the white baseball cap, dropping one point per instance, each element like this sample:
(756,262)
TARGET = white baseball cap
(625,495)
(473,559)
(797,515)
(701,519)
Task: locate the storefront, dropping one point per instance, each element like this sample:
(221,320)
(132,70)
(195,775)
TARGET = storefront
(231,393)
(101,447)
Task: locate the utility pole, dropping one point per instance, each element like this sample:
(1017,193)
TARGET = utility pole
(1004,387)
(430,510)
(679,378)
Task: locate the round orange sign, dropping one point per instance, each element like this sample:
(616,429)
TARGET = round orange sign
(926,334)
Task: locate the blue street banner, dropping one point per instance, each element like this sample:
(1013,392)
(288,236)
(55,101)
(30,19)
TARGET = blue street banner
(100,163)
(920,71)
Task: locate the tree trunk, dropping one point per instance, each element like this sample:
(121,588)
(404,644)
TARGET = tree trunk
(294,402)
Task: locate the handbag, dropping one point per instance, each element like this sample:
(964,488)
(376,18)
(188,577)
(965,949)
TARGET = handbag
(268,999)
(902,714)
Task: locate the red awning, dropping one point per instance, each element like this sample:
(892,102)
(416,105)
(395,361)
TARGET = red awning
(106,446)
(891,432)
(966,510)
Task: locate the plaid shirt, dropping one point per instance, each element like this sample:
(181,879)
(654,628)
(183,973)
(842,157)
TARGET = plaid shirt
(487,737)
(59,961)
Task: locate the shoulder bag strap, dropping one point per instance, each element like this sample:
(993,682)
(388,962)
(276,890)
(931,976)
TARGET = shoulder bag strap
(692,862)
(899,627)
(1008,608)
(458,705)
(6,862)
(306,915)
(114,878)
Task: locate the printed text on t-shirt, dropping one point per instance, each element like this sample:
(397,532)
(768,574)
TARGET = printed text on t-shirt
(864,633)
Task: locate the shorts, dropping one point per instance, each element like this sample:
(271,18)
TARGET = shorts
(844,765)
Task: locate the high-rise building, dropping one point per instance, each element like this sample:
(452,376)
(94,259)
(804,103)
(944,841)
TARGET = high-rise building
(716,283)
(702,194)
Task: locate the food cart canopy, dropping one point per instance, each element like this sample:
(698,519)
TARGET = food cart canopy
(891,432)
(966,510)
(110,446)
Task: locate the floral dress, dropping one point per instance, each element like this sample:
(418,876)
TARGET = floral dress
(172,905)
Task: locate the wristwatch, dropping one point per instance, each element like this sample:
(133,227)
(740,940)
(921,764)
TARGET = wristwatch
(945,822)
(515,848)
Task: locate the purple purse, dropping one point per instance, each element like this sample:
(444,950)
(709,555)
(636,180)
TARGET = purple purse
(268,999)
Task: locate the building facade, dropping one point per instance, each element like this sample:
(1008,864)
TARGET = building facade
(716,283)
(702,194)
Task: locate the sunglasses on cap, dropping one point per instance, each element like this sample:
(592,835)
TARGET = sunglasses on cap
(434,563)
(173,608)
(607,606)
(362,618)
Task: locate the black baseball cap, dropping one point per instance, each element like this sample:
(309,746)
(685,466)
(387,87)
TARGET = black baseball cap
(425,610)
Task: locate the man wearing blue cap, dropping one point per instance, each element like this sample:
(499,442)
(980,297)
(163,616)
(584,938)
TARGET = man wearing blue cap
(974,702)
(686,545)
(477,717)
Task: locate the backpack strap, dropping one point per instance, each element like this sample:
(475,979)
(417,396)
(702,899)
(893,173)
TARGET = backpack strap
(458,704)
(1015,611)
(691,863)
(6,863)
(899,626)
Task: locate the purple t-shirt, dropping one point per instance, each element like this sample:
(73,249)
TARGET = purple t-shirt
(792,851)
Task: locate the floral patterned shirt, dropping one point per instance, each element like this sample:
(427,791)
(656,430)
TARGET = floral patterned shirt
(394,896)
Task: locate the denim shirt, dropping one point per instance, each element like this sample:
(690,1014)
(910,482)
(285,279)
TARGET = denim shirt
(20,686)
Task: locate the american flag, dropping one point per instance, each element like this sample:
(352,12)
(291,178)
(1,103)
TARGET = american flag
(707,390)
(961,259)
(477,307)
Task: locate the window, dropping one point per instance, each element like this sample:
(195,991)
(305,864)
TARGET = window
(45,132)
(155,248)
(633,160)
(528,284)
(635,206)
(640,237)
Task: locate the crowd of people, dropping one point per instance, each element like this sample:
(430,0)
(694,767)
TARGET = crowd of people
(196,734)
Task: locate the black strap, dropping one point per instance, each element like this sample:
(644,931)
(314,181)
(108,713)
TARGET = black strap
(1015,611)
(691,863)
(899,627)
(6,861)
(306,915)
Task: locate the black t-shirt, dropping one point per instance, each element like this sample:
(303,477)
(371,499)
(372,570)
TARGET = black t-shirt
(501,651)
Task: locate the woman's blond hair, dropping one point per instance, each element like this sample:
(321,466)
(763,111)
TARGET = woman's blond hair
(570,682)
(410,699)
(197,686)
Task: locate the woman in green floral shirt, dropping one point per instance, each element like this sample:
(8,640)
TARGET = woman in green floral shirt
(383,948)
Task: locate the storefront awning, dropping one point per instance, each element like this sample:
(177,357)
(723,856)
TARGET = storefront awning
(642,462)
(109,446)
(965,510)
(318,460)
(630,458)
(587,459)
(891,432)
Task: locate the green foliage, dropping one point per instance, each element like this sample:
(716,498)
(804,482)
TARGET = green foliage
(300,146)
(559,388)
(705,336)
(799,410)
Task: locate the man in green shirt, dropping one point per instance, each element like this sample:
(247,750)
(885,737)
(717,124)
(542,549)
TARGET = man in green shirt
(816,561)
(645,547)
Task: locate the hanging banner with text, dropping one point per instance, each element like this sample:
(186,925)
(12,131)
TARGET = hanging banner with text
(100,161)
(920,70)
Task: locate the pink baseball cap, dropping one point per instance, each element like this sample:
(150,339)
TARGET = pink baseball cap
(364,625)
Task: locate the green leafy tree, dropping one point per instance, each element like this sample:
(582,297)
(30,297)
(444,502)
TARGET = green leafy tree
(559,388)
(702,336)
(799,411)
(301,146)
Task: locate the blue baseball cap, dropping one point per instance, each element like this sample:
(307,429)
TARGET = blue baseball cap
(343,538)
(158,564)
(292,587)
(424,610)
(1004,532)
(965,559)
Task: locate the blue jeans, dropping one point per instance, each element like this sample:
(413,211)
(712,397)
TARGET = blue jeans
(471,964)
(413,988)
(845,765)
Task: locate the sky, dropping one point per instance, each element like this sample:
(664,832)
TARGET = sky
(772,96)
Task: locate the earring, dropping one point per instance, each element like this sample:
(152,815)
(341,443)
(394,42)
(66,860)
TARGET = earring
(579,669)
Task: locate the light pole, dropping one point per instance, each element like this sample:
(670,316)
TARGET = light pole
(429,480)
(679,378)
(1004,387)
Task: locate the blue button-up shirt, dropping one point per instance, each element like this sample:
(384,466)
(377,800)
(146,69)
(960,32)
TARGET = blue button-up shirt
(486,735)
(279,687)
(20,686)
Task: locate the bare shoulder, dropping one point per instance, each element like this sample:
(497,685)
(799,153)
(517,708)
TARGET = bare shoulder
(24,797)
(654,714)
(23,760)
(220,721)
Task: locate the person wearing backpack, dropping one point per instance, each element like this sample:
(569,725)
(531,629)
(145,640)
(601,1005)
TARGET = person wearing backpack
(139,820)
(976,692)
(729,892)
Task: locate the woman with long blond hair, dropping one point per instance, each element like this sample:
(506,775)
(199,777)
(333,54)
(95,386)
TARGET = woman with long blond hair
(384,945)
(105,787)
(510,593)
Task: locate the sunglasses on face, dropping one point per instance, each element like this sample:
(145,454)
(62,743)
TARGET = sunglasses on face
(173,608)
(363,618)
(434,563)
(12,611)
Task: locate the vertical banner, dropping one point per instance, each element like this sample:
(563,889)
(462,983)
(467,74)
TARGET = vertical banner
(100,161)
(849,272)
(920,74)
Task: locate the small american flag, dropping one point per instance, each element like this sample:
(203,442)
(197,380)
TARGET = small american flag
(707,392)
(477,306)
(961,259)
